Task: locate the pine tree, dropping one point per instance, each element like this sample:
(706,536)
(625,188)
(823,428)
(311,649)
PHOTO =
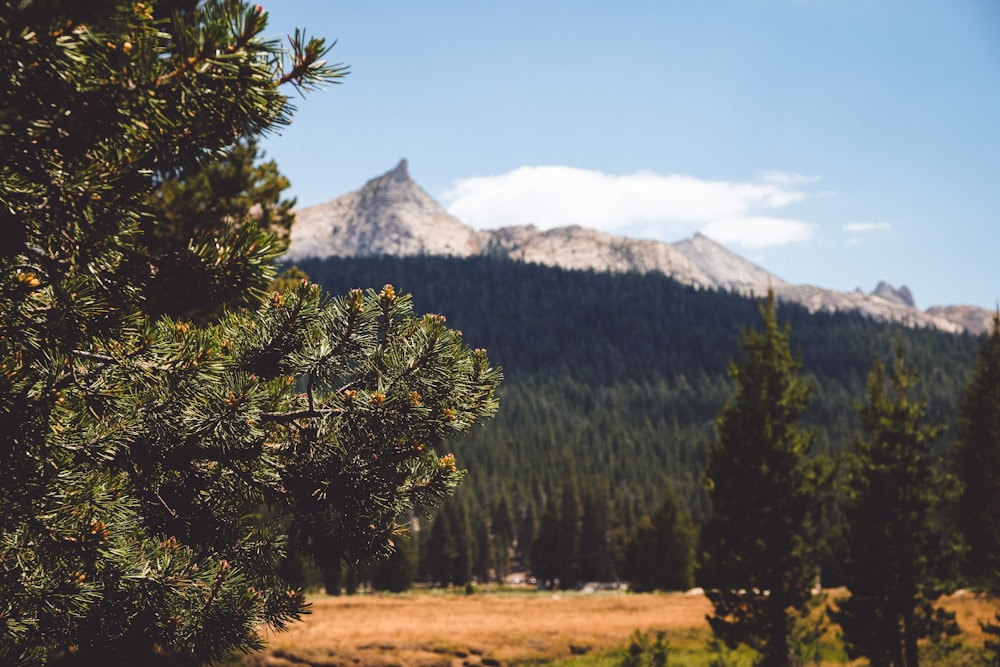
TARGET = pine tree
(485,550)
(567,545)
(977,465)
(597,557)
(396,574)
(894,538)
(544,551)
(461,568)
(441,551)
(136,453)
(503,535)
(660,550)
(758,544)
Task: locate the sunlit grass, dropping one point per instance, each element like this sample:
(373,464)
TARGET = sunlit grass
(520,626)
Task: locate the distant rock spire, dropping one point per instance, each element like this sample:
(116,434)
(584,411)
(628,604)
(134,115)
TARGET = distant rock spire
(902,295)
(402,172)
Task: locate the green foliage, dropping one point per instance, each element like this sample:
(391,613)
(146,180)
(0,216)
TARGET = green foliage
(897,546)
(642,651)
(758,564)
(449,547)
(208,204)
(397,573)
(659,554)
(977,465)
(601,533)
(136,454)
(623,375)
(545,549)
(573,543)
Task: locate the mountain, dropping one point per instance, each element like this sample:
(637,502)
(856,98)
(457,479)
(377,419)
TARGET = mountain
(392,215)
(902,295)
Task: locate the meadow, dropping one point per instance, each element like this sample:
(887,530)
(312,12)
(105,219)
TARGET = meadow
(509,627)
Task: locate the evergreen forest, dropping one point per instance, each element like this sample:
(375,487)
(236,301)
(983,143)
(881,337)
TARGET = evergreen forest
(612,385)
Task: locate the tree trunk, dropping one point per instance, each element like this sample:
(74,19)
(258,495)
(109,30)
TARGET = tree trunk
(910,656)
(778,651)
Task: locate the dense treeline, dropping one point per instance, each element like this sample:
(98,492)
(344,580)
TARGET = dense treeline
(613,382)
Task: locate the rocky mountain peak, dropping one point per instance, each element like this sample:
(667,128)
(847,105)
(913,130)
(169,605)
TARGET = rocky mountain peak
(388,215)
(401,172)
(725,268)
(888,292)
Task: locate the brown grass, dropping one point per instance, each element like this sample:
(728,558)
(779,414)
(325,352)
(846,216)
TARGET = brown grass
(448,630)
(969,610)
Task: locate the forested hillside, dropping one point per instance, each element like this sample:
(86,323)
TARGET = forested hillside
(612,383)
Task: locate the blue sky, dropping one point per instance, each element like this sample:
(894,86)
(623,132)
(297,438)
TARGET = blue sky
(834,142)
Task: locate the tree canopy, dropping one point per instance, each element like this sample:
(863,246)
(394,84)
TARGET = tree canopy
(152,469)
(896,547)
(759,564)
(977,465)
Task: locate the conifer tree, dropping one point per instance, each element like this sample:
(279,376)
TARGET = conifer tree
(894,538)
(555,552)
(977,465)
(503,535)
(660,551)
(136,453)
(461,528)
(526,530)
(396,573)
(440,551)
(544,551)
(758,544)
(567,546)
(597,557)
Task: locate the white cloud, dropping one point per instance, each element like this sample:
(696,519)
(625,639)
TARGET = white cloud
(786,178)
(758,232)
(664,207)
(866,227)
(859,231)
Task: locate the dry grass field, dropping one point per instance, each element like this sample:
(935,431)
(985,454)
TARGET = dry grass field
(501,628)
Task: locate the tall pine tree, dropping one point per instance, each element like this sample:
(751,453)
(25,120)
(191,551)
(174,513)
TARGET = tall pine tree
(136,453)
(895,540)
(977,465)
(758,545)
(660,551)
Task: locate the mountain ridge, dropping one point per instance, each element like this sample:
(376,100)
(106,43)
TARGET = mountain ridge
(392,215)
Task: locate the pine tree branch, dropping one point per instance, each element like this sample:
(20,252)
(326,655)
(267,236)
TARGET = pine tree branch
(289,417)
(93,356)
(205,55)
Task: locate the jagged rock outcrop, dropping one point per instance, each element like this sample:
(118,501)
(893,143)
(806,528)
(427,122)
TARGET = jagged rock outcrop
(392,215)
(890,293)
(817,299)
